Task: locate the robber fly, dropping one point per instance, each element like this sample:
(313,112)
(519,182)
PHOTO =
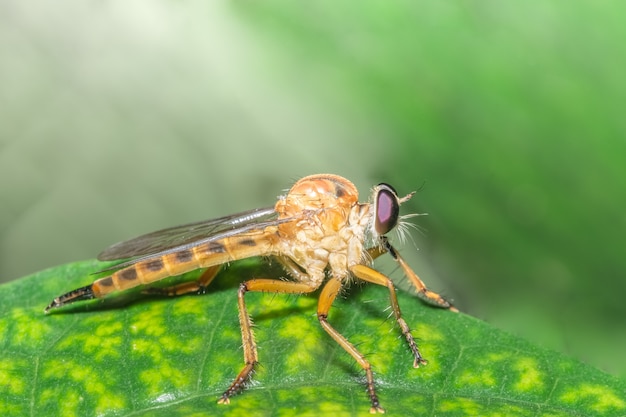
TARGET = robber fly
(318,231)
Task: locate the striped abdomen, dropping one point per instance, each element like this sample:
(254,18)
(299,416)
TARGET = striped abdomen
(176,263)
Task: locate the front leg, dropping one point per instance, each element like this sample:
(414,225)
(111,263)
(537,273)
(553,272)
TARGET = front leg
(371,275)
(426,294)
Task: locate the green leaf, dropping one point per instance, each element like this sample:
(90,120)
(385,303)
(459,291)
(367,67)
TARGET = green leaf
(135,355)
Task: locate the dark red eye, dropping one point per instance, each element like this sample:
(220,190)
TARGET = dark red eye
(387,209)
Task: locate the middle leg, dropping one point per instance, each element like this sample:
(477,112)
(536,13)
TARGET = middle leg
(327,296)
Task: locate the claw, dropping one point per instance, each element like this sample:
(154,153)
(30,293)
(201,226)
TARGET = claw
(419,361)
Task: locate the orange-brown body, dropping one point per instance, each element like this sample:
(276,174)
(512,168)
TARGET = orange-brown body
(318,231)
(326,230)
(177,263)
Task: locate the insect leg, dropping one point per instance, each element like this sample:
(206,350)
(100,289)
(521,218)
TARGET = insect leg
(198,286)
(371,275)
(376,251)
(428,295)
(327,296)
(250,354)
(291,267)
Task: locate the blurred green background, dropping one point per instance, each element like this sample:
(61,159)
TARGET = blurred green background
(119,118)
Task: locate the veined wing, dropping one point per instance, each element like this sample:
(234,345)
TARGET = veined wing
(182,237)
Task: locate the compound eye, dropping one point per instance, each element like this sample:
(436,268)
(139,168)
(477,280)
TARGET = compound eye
(387,209)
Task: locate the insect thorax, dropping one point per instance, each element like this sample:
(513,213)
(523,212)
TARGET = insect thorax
(329,227)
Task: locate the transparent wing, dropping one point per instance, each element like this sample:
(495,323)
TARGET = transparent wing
(181,237)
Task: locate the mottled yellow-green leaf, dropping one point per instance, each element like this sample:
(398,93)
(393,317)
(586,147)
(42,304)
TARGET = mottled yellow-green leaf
(138,355)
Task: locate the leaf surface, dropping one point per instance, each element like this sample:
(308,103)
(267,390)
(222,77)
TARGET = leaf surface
(137,355)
